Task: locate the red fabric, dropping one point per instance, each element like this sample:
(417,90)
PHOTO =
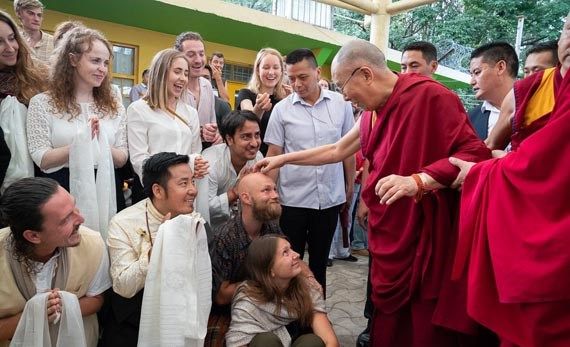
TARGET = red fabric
(523,90)
(515,239)
(412,245)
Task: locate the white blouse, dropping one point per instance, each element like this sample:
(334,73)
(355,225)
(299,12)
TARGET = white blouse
(48,128)
(153,131)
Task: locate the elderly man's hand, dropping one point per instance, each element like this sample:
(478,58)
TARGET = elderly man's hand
(464,168)
(393,187)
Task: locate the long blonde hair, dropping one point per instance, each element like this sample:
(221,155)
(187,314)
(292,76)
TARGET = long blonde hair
(255,82)
(30,73)
(77,42)
(157,95)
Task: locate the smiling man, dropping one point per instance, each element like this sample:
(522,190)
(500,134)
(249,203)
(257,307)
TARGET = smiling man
(30,13)
(311,196)
(493,67)
(168,181)
(229,161)
(45,249)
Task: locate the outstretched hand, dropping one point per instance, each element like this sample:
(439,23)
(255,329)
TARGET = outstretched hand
(270,163)
(464,168)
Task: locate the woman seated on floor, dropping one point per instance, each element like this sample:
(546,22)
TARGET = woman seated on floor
(274,296)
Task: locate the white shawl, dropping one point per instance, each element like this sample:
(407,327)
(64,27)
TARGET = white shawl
(178,287)
(13,121)
(95,199)
(33,330)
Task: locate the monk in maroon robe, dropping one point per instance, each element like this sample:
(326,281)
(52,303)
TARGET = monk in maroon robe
(515,232)
(412,125)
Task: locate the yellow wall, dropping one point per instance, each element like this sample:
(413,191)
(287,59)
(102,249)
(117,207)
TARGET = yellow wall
(148,42)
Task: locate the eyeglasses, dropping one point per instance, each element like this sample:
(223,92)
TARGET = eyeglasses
(341,88)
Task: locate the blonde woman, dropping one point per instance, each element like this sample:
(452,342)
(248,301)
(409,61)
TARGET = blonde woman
(78,126)
(161,122)
(265,89)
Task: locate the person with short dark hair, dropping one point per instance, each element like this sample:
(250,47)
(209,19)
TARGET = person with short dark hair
(138,91)
(494,68)
(222,107)
(312,197)
(30,13)
(419,57)
(198,92)
(218,83)
(541,57)
(46,249)
(274,295)
(168,183)
(229,161)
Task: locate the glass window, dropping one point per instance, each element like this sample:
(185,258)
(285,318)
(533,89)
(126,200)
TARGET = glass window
(124,70)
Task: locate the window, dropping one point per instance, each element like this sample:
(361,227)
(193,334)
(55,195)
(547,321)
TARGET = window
(237,73)
(124,70)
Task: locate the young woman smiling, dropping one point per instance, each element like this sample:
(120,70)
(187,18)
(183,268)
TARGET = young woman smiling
(78,122)
(265,89)
(21,77)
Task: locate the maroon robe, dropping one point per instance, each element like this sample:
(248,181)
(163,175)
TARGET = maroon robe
(515,237)
(412,244)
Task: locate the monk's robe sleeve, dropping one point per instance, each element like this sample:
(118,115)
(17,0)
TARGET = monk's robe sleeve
(452,125)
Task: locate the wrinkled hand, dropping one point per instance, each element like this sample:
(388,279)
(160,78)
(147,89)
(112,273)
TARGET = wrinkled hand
(210,132)
(53,306)
(464,168)
(393,187)
(94,123)
(362,214)
(267,164)
(201,167)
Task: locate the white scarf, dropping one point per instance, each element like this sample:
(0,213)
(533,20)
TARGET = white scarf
(33,330)
(95,199)
(13,121)
(178,288)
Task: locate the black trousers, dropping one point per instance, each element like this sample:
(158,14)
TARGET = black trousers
(316,229)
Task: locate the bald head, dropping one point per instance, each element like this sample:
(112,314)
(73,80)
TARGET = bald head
(359,52)
(252,181)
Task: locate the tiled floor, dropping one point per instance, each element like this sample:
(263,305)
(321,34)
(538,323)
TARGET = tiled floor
(346,291)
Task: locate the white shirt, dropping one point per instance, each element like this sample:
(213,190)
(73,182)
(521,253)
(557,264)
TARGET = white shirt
(48,129)
(493,115)
(153,131)
(221,177)
(46,272)
(296,125)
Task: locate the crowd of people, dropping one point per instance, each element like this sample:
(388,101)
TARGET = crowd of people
(459,213)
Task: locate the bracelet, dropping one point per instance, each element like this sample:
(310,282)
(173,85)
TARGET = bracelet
(421,187)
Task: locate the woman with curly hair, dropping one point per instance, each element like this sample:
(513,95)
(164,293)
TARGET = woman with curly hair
(265,89)
(78,126)
(21,77)
(275,295)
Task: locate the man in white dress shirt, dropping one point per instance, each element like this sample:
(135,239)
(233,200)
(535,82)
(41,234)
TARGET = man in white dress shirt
(311,196)
(229,161)
(45,249)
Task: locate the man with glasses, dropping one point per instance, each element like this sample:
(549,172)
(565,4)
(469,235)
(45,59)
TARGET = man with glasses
(311,196)
(411,126)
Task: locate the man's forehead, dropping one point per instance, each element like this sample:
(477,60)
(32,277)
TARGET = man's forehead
(413,55)
(193,45)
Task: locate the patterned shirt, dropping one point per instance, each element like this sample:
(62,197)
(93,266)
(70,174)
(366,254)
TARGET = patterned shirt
(43,48)
(229,249)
